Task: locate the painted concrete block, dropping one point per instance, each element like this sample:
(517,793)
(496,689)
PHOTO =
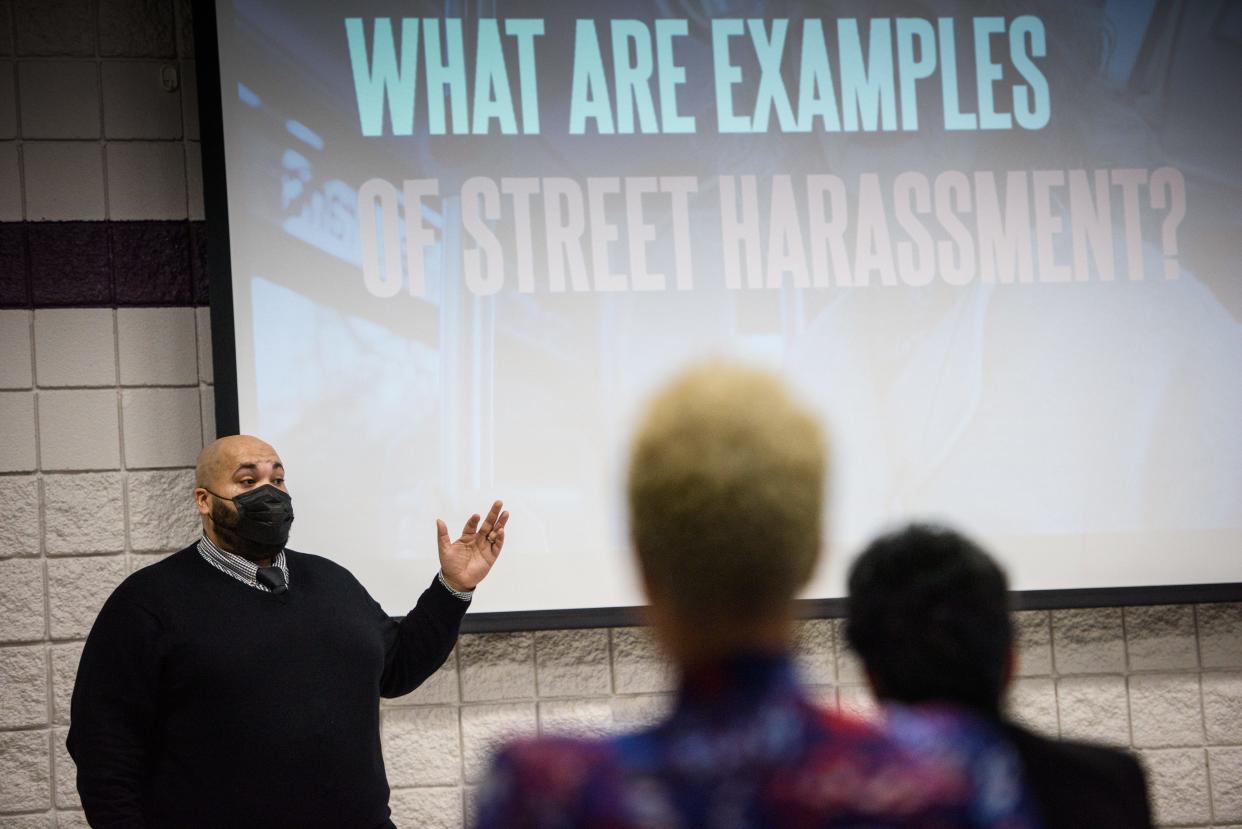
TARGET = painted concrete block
(83,513)
(157,346)
(1094,708)
(1161,638)
(22,613)
(23,686)
(496,666)
(1165,710)
(422,746)
(25,771)
(1088,641)
(19,531)
(572,663)
(638,665)
(75,347)
(79,429)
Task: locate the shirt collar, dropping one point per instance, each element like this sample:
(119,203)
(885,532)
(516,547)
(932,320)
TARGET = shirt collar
(233,565)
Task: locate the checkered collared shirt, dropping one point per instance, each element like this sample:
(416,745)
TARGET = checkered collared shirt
(238,567)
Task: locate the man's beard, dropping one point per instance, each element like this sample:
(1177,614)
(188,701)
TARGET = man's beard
(225,521)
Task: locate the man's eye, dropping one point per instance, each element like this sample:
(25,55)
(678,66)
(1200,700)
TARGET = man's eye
(247,481)
(279,481)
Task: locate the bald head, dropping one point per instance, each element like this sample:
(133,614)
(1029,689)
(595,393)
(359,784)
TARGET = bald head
(231,461)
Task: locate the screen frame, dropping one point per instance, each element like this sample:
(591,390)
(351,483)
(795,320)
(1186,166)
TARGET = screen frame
(224,362)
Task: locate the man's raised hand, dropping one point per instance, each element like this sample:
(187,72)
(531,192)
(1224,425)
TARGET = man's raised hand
(467,561)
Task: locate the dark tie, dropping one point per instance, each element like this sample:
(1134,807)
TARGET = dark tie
(273,578)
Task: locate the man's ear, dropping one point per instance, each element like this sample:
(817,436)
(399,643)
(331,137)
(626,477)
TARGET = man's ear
(202,500)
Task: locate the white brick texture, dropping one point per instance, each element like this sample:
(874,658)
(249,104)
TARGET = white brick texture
(59,98)
(638,666)
(1161,638)
(432,808)
(74,347)
(815,652)
(158,346)
(8,103)
(202,326)
(1222,707)
(66,773)
(146,180)
(1225,776)
(64,181)
(1033,703)
(1088,641)
(135,104)
(1177,778)
(422,746)
(79,430)
(83,513)
(17,431)
(23,686)
(19,531)
(22,613)
(577,717)
(572,663)
(25,771)
(1033,636)
(1093,708)
(10,177)
(162,427)
(28,822)
(162,515)
(65,660)
(496,666)
(15,369)
(1165,711)
(1220,635)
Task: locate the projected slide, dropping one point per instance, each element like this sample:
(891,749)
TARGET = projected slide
(999,254)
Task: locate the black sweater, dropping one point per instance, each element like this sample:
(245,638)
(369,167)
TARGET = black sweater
(201,701)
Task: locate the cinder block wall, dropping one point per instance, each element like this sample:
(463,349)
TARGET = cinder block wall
(106,397)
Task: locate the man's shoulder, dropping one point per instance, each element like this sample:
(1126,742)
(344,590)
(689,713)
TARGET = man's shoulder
(1040,752)
(149,587)
(1078,778)
(159,575)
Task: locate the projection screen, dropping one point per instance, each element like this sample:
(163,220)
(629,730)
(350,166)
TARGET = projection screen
(999,254)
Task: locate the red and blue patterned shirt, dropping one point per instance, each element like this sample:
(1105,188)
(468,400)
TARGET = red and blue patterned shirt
(745,748)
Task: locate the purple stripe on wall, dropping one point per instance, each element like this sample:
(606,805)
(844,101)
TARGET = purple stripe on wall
(102,264)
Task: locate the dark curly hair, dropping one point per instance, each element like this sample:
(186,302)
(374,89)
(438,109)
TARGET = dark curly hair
(928,613)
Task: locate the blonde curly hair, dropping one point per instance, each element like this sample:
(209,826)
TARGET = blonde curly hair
(726,491)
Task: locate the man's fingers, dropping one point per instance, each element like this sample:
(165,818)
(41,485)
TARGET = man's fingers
(489,523)
(442,536)
(496,533)
(471,525)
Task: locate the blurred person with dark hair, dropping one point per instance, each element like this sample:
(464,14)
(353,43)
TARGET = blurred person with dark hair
(929,617)
(725,492)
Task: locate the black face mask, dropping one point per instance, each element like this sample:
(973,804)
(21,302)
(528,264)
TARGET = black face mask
(264,515)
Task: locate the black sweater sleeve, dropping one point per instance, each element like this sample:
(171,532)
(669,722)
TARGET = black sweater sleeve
(114,702)
(416,646)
